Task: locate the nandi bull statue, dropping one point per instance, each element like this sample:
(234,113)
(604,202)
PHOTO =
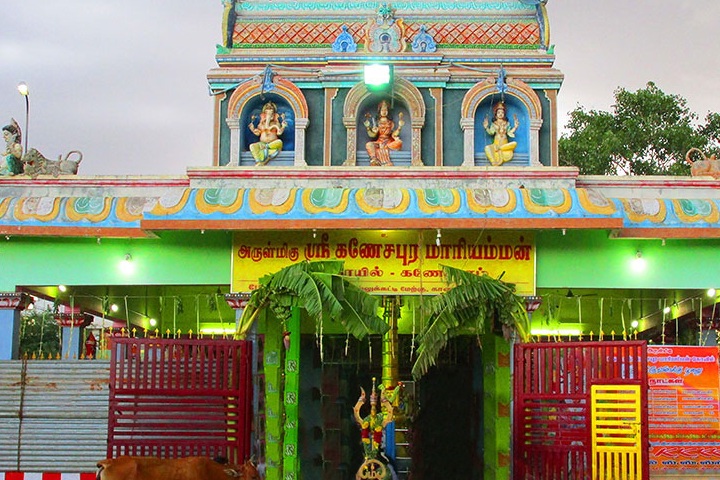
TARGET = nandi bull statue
(33,163)
(704,167)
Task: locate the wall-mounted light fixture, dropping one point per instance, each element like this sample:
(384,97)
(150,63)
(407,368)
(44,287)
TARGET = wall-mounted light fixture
(634,324)
(62,288)
(152,322)
(126,265)
(638,263)
(711,292)
(114,308)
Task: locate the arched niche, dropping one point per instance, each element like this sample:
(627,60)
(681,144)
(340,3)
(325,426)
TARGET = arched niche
(518,95)
(245,98)
(407,95)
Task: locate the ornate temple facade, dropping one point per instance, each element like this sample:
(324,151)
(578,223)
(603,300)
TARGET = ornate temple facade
(452,160)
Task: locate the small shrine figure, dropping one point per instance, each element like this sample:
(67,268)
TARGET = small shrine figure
(11,160)
(385,136)
(269,129)
(372,433)
(501,150)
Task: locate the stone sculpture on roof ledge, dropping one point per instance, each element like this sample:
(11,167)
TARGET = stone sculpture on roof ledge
(706,167)
(33,163)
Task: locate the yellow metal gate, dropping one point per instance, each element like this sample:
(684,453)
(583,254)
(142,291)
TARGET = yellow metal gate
(616,432)
(578,408)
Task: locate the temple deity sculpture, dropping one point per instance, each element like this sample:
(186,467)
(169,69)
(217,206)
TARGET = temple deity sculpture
(11,160)
(268,129)
(384,136)
(372,432)
(501,150)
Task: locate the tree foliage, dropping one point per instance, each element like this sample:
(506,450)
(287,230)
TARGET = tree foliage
(39,334)
(648,132)
(322,291)
(474,303)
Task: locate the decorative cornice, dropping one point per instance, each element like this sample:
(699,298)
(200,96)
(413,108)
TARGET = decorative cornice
(14,300)
(77,320)
(237,301)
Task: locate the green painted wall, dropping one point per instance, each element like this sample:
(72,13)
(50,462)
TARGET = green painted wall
(427,150)
(545,130)
(224,148)
(315,133)
(590,259)
(453,147)
(176,258)
(339,132)
(582,259)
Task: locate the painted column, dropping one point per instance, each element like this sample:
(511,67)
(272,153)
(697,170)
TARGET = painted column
(291,340)
(535,125)
(273,400)
(11,306)
(300,126)
(498,395)
(468,127)
(234,126)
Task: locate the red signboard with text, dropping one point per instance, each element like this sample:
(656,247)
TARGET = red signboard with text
(684,408)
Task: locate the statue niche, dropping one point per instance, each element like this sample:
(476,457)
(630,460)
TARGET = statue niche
(384,134)
(501,121)
(248,100)
(268,133)
(406,106)
(501,133)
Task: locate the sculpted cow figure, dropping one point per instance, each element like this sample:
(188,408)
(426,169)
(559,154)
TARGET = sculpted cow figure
(189,468)
(35,163)
(705,167)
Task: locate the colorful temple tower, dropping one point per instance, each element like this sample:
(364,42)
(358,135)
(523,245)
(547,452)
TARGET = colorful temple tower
(399,138)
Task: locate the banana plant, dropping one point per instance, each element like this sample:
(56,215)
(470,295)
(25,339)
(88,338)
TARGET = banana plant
(470,307)
(321,290)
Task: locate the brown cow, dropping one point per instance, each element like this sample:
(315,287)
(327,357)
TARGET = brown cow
(189,468)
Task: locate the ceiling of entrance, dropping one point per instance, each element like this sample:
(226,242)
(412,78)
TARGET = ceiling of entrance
(563,312)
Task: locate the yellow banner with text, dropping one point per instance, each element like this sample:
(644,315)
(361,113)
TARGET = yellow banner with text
(389,262)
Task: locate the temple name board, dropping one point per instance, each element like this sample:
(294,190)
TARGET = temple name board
(389,262)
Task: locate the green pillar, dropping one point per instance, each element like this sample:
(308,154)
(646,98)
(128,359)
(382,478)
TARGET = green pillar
(291,464)
(273,399)
(497,407)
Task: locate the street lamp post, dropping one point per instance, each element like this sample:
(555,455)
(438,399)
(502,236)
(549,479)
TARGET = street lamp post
(25,92)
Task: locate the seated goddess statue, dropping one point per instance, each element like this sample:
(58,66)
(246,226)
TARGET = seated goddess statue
(385,136)
(502,149)
(269,129)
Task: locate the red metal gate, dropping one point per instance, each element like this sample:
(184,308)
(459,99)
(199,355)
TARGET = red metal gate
(552,438)
(180,397)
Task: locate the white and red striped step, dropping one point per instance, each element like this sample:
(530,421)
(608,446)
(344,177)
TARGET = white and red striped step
(46,476)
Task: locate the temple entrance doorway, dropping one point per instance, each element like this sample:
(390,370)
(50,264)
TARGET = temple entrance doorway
(447,440)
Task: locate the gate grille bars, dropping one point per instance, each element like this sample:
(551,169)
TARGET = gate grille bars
(552,415)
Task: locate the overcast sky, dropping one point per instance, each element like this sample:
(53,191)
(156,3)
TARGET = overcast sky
(125,81)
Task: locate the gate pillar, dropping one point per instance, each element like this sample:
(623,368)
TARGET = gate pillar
(496,407)
(11,305)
